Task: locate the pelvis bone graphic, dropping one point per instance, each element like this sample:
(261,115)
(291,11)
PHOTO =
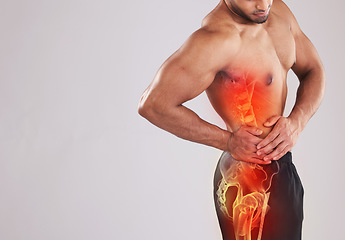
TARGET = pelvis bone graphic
(251,203)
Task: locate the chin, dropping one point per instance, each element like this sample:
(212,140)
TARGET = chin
(261,20)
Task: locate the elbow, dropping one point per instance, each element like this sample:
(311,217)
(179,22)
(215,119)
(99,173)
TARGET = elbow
(321,77)
(317,72)
(143,107)
(156,106)
(321,70)
(143,110)
(148,107)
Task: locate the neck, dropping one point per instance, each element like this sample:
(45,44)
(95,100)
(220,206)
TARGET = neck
(234,15)
(230,8)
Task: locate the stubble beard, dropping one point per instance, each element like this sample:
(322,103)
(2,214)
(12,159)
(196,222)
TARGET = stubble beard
(261,20)
(240,13)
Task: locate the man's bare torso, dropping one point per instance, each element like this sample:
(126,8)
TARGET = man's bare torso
(240,57)
(252,85)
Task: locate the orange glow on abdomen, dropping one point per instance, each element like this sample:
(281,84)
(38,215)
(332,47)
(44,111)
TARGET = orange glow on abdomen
(245,101)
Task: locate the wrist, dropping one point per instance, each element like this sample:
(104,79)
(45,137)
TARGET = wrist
(298,123)
(298,117)
(226,141)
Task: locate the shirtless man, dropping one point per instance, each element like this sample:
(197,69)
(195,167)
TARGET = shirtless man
(241,56)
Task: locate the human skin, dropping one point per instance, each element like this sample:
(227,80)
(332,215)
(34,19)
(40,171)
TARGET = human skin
(236,42)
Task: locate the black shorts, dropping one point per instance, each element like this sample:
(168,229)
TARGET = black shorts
(265,201)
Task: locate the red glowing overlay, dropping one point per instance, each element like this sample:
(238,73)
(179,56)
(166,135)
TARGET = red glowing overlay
(245,100)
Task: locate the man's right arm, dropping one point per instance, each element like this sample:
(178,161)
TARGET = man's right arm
(182,77)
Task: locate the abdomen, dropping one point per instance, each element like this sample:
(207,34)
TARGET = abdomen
(247,100)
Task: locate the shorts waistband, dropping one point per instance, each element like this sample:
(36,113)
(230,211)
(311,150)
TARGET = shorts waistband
(286,158)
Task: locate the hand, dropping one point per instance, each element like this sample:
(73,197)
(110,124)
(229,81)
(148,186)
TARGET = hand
(242,145)
(280,140)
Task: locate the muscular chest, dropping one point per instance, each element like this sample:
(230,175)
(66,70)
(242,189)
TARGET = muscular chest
(256,75)
(269,48)
(282,43)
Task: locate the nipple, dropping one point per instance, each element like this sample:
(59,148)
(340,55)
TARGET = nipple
(269,80)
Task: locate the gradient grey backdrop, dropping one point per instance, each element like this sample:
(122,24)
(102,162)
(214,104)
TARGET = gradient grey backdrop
(77,161)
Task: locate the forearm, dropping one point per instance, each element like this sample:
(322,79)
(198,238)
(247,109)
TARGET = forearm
(186,124)
(309,96)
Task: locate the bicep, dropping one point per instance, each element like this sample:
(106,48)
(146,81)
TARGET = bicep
(307,58)
(177,82)
(189,71)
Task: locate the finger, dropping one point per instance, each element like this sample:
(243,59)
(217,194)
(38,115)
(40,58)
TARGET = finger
(271,121)
(251,142)
(253,130)
(279,156)
(254,156)
(249,152)
(255,140)
(269,138)
(271,146)
(261,155)
(258,161)
(280,150)
(286,149)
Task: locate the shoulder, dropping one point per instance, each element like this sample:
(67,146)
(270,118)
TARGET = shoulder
(207,48)
(220,23)
(212,37)
(215,34)
(213,45)
(212,40)
(279,8)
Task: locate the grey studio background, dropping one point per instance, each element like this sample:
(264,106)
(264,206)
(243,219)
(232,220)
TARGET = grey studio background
(78,162)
